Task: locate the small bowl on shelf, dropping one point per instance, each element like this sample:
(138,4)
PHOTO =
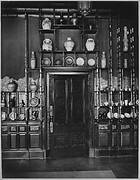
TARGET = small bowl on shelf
(106,103)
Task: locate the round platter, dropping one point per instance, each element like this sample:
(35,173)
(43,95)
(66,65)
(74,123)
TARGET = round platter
(69,60)
(21,117)
(46,61)
(12,116)
(91,62)
(34,102)
(80,61)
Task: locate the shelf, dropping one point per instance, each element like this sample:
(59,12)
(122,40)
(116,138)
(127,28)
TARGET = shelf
(69,52)
(71,69)
(66,26)
(15,122)
(107,68)
(8,92)
(33,122)
(88,31)
(126,69)
(104,91)
(47,31)
(30,70)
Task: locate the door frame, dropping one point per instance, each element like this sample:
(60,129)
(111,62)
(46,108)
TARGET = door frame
(90,125)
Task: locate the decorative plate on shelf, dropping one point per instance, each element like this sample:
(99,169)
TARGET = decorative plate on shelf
(116,115)
(3,116)
(109,115)
(46,61)
(91,62)
(22,116)
(34,102)
(127,115)
(12,116)
(69,60)
(122,116)
(80,61)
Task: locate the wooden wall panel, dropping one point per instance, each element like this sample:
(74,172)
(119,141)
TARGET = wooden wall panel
(114,139)
(22,140)
(12,47)
(13,141)
(34,140)
(4,141)
(125,139)
(103,139)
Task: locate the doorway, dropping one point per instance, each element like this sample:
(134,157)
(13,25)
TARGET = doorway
(67,107)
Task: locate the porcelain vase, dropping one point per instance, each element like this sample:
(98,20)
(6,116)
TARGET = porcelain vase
(69,44)
(46,24)
(90,44)
(12,86)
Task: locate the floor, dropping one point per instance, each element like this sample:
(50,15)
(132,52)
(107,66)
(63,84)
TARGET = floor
(122,167)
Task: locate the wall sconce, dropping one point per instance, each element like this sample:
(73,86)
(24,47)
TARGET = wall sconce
(84,7)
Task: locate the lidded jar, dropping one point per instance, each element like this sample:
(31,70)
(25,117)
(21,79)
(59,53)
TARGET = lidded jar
(90,44)
(69,44)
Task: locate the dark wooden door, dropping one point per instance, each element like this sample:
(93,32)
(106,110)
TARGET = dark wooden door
(68,115)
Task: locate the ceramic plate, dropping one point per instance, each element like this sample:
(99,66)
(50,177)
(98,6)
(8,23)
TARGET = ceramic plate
(12,116)
(122,116)
(3,116)
(109,115)
(116,115)
(21,116)
(127,115)
(80,61)
(91,62)
(46,61)
(34,102)
(69,60)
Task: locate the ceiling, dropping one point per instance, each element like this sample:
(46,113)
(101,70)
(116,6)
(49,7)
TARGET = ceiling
(69,4)
(126,8)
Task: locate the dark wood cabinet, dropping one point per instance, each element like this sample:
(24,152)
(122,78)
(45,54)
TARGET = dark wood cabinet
(77,102)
